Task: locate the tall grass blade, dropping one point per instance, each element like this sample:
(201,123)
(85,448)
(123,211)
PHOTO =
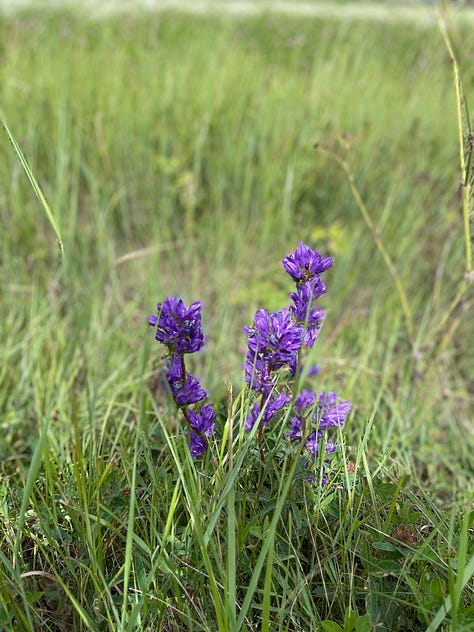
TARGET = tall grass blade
(187,476)
(231,532)
(34,184)
(447,605)
(267,544)
(130,534)
(22,617)
(35,466)
(466,146)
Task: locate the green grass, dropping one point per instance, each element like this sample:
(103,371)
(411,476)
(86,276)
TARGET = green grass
(176,154)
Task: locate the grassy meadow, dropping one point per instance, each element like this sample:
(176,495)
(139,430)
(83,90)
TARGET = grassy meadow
(186,155)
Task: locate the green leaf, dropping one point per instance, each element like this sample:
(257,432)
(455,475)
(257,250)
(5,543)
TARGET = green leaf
(413,517)
(438,588)
(349,620)
(384,546)
(330,626)
(386,491)
(384,567)
(363,624)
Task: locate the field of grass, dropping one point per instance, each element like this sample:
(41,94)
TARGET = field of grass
(187,156)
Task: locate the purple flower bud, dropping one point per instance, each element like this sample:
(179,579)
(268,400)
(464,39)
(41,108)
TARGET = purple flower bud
(178,327)
(185,388)
(276,338)
(295,429)
(197,447)
(202,422)
(313,370)
(257,374)
(304,263)
(306,399)
(271,407)
(304,310)
(304,404)
(313,444)
(329,414)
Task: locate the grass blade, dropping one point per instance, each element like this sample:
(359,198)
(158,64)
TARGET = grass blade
(34,184)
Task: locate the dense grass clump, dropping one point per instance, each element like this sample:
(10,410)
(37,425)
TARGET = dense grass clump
(186,156)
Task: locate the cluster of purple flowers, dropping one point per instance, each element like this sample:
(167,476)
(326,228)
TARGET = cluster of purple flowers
(180,330)
(275,342)
(313,416)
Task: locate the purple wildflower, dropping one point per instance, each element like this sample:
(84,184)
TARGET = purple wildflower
(304,263)
(178,327)
(313,444)
(305,296)
(314,370)
(270,409)
(295,429)
(306,399)
(330,414)
(185,388)
(304,310)
(197,446)
(276,337)
(203,423)
(257,373)
(304,404)
(204,420)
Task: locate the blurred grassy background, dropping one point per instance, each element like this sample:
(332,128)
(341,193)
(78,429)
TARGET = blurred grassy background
(177,153)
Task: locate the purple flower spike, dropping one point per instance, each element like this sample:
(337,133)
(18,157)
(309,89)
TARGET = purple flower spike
(271,407)
(313,443)
(178,327)
(304,263)
(276,337)
(203,422)
(185,388)
(304,310)
(305,400)
(257,374)
(295,429)
(329,414)
(197,446)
